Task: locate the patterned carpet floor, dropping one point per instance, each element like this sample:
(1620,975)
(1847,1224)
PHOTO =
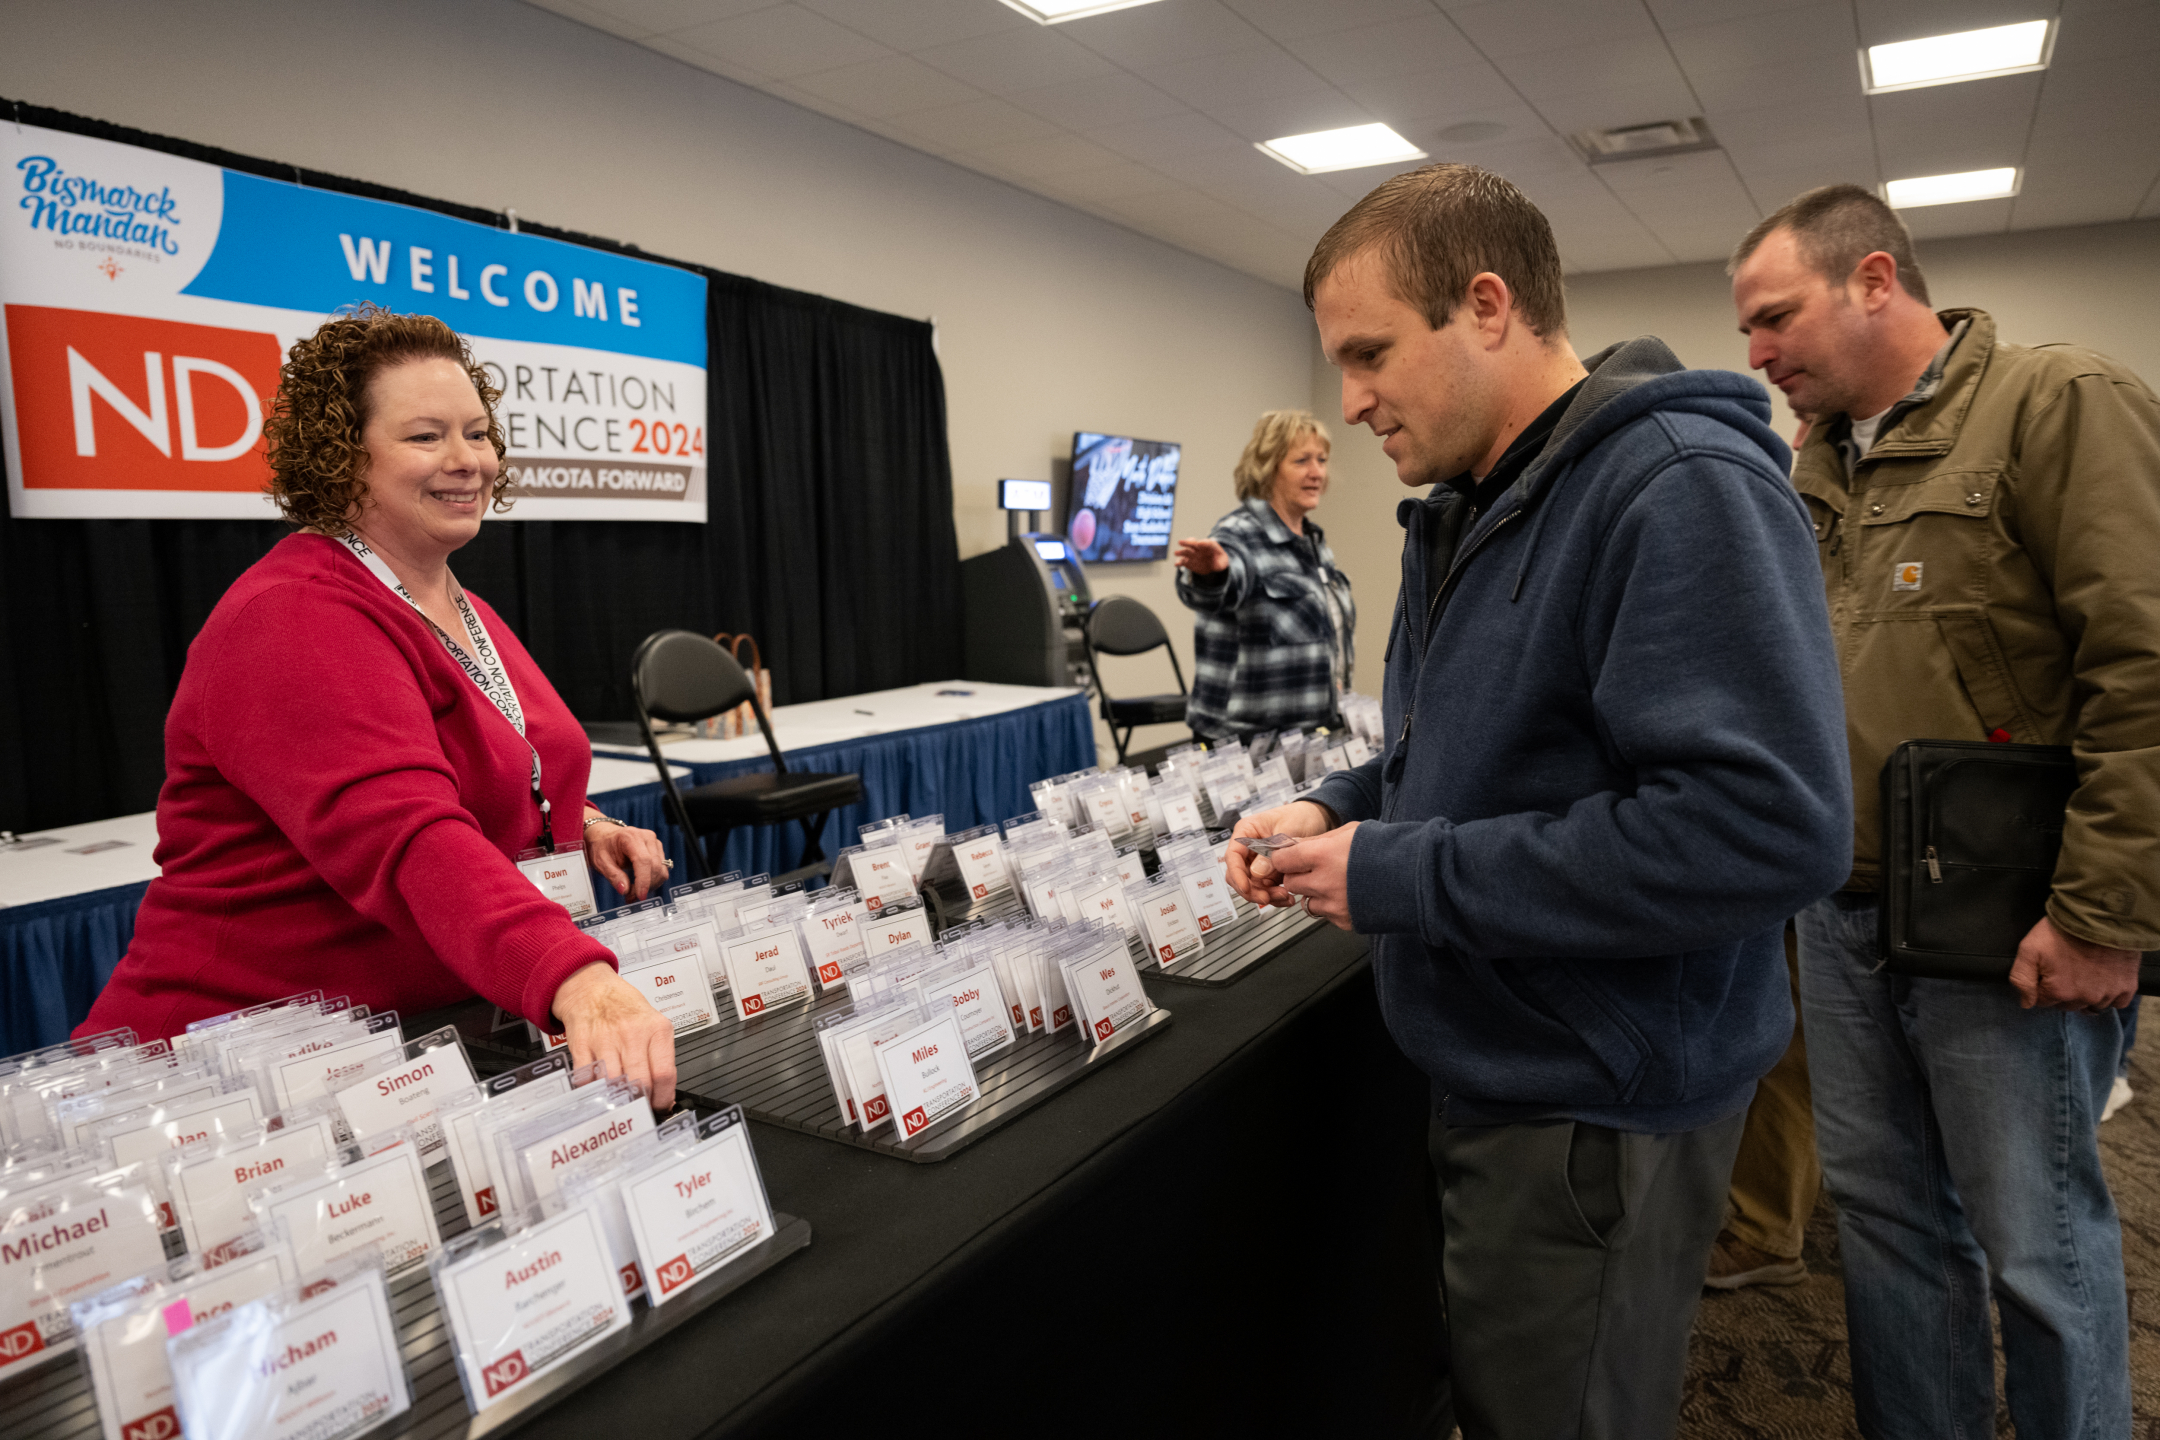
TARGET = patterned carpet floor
(1771,1363)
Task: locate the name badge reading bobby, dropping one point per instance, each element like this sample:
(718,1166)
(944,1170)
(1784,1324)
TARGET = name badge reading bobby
(525,1306)
(693,1213)
(562,876)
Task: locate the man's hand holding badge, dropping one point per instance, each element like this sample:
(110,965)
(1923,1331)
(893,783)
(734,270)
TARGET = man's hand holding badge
(1293,855)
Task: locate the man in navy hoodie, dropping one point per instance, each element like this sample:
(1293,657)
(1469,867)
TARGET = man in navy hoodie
(1618,766)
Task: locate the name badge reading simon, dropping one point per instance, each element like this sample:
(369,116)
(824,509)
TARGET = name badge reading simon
(561,875)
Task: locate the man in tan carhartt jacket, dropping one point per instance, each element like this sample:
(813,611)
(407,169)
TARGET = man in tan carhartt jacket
(1988,519)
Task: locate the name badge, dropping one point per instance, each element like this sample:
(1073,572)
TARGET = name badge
(176,1128)
(693,1213)
(62,1243)
(549,1162)
(316,1369)
(475,1180)
(1104,899)
(1108,991)
(523,1306)
(562,875)
(1171,934)
(982,866)
(294,1083)
(979,1002)
(128,1370)
(836,944)
(857,1046)
(409,1094)
(882,876)
(909,930)
(211,1192)
(926,1072)
(765,970)
(1204,888)
(672,976)
(380,1202)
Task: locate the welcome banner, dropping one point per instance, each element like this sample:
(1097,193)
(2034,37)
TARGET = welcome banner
(148,301)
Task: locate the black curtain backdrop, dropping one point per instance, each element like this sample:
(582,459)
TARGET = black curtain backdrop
(829,536)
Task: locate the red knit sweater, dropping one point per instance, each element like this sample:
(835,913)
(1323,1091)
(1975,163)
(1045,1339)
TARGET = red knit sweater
(340,811)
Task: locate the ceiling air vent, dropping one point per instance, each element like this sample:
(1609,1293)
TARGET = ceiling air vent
(1643,142)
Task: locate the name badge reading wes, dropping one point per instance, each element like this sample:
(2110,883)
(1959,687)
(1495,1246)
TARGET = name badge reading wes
(1110,993)
(527,1305)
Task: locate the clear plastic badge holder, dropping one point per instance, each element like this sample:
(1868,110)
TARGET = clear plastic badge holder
(357,1201)
(329,1336)
(849,1040)
(147,1135)
(26,1097)
(74,1117)
(538,1152)
(698,1207)
(902,925)
(408,1088)
(527,1086)
(1057,1007)
(200,1031)
(486,1129)
(598,1187)
(776,902)
(697,897)
(64,1241)
(520,1301)
(1105,987)
(1167,922)
(1019,945)
(1213,906)
(997,947)
(122,1331)
(917,838)
(211,1183)
(832,933)
(561,875)
(675,970)
(969,984)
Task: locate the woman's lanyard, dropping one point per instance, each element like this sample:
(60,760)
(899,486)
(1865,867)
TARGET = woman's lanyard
(487,672)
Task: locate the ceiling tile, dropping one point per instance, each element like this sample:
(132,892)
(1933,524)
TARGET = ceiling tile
(1503,28)
(1167,31)
(1949,128)
(1222,81)
(597,18)
(888,87)
(1291,208)
(1151,141)
(712,64)
(1399,47)
(1124,180)
(1015,60)
(1773,188)
(1048,155)
(1679,14)
(1106,100)
(918,24)
(1296,19)
(1804,90)
(1460,93)
(1238,164)
(1557,72)
(782,42)
(972,126)
(1300,114)
(1778,37)
(658,17)
(1615,108)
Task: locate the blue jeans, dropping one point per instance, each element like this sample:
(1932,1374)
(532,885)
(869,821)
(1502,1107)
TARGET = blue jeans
(1957,1138)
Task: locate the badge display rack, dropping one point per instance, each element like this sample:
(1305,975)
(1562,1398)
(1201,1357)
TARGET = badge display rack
(54,1402)
(1227,954)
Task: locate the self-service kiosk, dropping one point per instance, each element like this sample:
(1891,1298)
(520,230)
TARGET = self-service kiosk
(1026,604)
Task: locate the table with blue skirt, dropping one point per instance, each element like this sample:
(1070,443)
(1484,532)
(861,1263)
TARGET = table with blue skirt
(68,896)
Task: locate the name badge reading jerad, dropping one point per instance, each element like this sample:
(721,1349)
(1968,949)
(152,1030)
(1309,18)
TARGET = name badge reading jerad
(211,1193)
(548,1162)
(562,876)
(128,1369)
(693,1213)
(321,1369)
(531,1303)
(765,970)
(379,1202)
(61,1245)
(926,1072)
(409,1095)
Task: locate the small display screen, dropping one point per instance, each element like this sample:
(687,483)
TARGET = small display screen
(1023,495)
(1123,492)
(1050,549)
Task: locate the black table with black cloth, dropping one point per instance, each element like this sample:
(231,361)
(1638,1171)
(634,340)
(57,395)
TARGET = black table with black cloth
(1227,1231)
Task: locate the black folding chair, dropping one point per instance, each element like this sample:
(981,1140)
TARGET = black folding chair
(1121,625)
(680,676)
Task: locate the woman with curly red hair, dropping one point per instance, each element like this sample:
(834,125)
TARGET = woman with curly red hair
(359,748)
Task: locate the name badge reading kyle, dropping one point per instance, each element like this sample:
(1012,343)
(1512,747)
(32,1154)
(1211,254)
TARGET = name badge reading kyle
(561,875)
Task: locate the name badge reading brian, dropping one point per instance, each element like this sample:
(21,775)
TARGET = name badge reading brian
(561,875)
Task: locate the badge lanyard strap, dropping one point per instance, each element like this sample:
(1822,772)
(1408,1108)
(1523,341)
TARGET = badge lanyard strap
(487,673)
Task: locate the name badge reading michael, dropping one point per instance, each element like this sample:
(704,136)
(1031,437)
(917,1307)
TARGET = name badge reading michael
(926,1072)
(693,1213)
(562,876)
(317,1369)
(524,1306)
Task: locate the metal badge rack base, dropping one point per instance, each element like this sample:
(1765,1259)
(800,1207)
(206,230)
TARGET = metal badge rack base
(54,1402)
(1225,956)
(773,1068)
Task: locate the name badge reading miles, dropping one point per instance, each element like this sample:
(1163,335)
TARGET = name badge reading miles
(926,1072)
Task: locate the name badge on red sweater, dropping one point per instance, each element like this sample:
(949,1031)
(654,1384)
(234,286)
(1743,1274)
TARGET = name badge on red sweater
(562,877)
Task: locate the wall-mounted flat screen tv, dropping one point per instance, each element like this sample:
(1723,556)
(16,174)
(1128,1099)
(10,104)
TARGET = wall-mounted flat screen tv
(1123,493)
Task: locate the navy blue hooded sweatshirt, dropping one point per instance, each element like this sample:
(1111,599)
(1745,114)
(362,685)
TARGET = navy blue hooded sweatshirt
(1618,766)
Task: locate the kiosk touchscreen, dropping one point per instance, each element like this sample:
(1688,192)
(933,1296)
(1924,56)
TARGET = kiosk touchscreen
(1025,605)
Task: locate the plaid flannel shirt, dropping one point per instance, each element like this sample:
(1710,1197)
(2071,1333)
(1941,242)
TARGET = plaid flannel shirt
(1265,651)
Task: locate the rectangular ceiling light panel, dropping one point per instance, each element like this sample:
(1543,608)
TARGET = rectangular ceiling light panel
(1953,189)
(1350,148)
(1967,55)
(1057,12)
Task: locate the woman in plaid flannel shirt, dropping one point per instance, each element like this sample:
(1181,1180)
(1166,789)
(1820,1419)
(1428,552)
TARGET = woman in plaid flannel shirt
(1273,619)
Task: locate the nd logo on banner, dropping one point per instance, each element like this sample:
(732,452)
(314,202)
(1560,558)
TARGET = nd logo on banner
(122,402)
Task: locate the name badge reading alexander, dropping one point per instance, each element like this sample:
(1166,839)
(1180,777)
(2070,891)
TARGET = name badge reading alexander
(765,970)
(527,1305)
(693,1213)
(548,1162)
(316,1369)
(562,876)
(926,1072)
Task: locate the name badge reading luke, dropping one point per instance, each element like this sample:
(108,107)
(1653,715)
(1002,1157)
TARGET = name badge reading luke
(379,1202)
(926,1072)
(693,1213)
(524,1306)
(561,875)
(765,970)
